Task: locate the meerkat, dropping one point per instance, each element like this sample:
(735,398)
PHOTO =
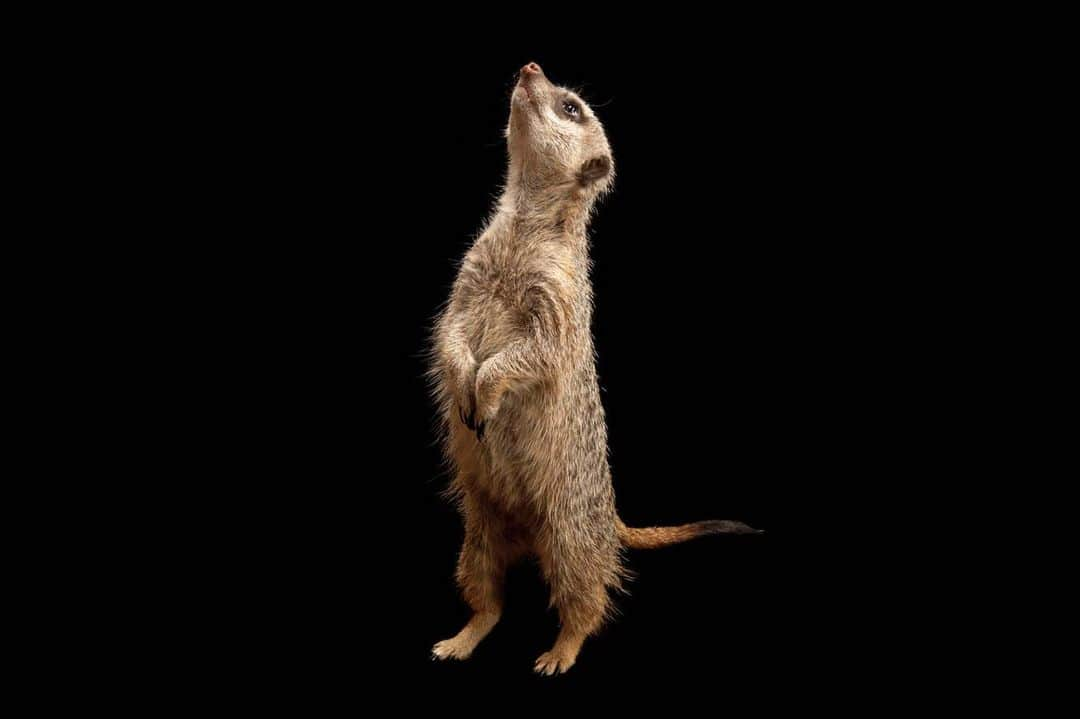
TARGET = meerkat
(514,378)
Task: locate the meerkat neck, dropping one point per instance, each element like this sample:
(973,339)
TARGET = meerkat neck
(536,195)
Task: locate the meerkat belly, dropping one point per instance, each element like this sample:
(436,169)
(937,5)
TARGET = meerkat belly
(521,450)
(547,436)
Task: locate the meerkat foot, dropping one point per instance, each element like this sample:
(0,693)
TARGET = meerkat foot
(454,648)
(462,645)
(556,661)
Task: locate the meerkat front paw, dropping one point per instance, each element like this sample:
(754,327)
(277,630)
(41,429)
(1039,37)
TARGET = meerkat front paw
(465,398)
(488,398)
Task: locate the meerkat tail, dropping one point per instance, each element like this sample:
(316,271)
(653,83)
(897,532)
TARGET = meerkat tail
(654,537)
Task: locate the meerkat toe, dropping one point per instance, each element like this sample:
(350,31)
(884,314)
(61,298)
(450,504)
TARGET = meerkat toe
(543,664)
(450,649)
(551,663)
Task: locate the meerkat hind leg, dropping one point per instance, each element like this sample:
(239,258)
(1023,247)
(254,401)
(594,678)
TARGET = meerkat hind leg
(483,591)
(581,614)
(480,574)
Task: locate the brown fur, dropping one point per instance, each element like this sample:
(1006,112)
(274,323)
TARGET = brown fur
(515,380)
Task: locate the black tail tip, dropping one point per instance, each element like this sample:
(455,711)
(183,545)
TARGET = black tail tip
(726,526)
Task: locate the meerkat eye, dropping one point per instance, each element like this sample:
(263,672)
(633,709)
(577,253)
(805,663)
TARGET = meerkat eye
(571,108)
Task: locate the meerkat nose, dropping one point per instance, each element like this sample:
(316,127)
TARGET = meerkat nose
(531,69)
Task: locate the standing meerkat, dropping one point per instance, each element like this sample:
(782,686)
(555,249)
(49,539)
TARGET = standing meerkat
(514,377)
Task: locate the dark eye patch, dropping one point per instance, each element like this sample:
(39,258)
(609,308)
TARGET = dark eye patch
(571,108)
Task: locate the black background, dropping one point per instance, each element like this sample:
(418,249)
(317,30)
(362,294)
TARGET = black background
(741,268)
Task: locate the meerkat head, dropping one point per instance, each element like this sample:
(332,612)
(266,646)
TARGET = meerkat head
(554,132)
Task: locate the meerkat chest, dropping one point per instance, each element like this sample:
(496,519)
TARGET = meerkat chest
(497,283)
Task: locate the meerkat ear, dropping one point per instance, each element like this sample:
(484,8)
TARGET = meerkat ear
(593,170)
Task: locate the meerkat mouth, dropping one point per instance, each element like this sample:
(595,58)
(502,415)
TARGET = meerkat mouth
(526,96)
(526,100)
